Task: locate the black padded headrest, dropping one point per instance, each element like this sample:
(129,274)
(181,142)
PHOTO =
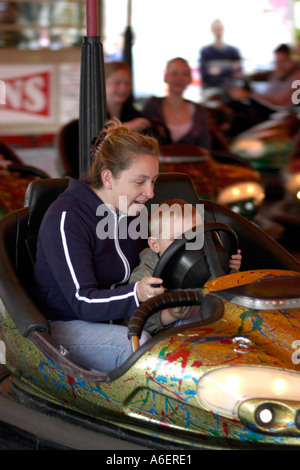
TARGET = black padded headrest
(174,186)
(40,194)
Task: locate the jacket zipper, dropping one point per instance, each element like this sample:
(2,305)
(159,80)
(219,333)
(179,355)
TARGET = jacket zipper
(118,248)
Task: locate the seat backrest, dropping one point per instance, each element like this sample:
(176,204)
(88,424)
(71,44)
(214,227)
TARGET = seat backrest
(173,186)
(39,195)
(15,274)
(18,238)
(68,149)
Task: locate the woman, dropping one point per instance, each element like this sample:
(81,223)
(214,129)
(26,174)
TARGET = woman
(84,259)
(186,121)
(118,91)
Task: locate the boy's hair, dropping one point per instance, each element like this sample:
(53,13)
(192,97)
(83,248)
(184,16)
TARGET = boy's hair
(167,209)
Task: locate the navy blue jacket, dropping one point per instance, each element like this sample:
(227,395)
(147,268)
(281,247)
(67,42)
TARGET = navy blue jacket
(79,272)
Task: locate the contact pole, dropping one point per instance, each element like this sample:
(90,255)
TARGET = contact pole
(92,18)
(92,98)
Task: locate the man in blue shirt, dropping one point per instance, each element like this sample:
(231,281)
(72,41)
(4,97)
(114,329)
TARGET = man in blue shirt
(218,61)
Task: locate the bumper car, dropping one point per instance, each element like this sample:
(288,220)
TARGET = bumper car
(287,210)
(228,381)
(219,176)
(14,179)
(267,146)
(222,177)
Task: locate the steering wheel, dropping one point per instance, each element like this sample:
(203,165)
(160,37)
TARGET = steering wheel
(155,304)
(192,261)
(196,256)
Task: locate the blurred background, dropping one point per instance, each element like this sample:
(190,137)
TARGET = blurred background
(40,53)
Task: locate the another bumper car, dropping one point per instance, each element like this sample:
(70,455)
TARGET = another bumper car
(219,176)
(224,178)
(14,179)
(267,146)
(229,381)
(287,210)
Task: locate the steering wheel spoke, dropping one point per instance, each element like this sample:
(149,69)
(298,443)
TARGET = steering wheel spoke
(156,304)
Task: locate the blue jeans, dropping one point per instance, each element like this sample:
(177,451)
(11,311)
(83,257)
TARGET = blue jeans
(98,346)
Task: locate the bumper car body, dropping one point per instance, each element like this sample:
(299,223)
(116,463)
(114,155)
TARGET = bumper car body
(268,145)
(180,389)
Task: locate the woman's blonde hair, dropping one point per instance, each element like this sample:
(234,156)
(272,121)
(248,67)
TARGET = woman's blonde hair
(115,148)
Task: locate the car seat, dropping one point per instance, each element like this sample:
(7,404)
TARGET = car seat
(67,144)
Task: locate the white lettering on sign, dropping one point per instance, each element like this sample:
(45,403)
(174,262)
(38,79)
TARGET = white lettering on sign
(30,94)
(2,92)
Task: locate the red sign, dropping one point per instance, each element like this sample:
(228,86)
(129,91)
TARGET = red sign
(29,93)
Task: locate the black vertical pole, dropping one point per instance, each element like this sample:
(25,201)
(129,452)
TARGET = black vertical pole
(127,49)
(92,99)
(128,37)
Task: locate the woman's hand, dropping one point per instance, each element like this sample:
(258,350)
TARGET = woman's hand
(235,262)
(137,124)
(145,289)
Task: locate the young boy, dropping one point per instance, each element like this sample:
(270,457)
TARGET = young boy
(169,221)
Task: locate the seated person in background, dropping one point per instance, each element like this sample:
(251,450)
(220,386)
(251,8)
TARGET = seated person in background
(169,221)
(218,61)
(280,90)
(118,85)
(10,18)
(186,121)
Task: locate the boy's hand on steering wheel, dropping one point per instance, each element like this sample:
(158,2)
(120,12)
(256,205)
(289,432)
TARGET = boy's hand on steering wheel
(235,262)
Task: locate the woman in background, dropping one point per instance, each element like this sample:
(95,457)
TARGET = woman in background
(118,85)
(186,121)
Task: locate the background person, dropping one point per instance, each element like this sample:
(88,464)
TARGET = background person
(279,90)
(118,84)
(251,108)
(186,121)
(219,61)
